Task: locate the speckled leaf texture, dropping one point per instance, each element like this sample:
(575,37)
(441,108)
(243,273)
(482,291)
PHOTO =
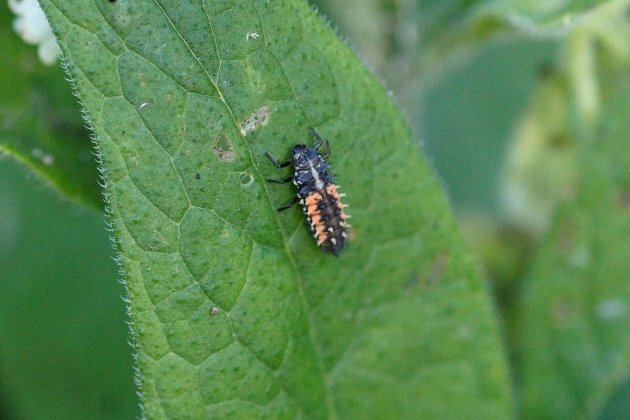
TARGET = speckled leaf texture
(235,311)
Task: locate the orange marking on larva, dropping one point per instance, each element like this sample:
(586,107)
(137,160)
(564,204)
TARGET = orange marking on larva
(312,199)
(315,219)
(332,190)
(322,238)
(320,229)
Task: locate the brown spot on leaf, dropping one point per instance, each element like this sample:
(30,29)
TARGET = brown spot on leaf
(623,200)
(223,149)
(214,311)
(566,237)
(560,141)
(562,312)
(437,268)
(352,234)
(433,273)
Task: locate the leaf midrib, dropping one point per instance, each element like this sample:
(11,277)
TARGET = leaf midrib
(330,407)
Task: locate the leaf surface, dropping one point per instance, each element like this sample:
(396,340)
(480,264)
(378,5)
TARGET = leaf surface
(235,310)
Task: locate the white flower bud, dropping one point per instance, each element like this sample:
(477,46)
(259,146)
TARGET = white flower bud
(33,27)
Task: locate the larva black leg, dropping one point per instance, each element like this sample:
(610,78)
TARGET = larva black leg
(317,137)
(320,141)
(289,204)
(275,162)
(326,154)
(279,181)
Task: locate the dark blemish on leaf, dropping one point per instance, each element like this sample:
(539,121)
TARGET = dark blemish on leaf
(438,266)
(560,141)
(566,238)
(258,118)
(623,200)
(546,70)
(197,175)
(214,311)
(562,312)
(246,179)
(576,252)
(112,1)
(223,149)
(432,274)
(412,280)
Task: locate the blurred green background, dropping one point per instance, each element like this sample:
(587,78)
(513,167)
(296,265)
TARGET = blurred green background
(63,337)
(63,332)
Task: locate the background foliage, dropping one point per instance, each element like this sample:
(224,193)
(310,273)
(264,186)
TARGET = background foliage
(506,96)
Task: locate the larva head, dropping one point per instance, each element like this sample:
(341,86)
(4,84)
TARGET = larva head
(303,156)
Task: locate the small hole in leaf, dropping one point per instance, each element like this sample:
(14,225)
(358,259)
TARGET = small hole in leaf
(246,179)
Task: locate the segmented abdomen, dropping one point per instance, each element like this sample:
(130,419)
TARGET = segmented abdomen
(326,217)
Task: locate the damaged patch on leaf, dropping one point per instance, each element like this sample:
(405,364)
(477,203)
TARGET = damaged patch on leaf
(223,149)
(258,118)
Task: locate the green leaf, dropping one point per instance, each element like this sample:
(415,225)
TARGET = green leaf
(235,310)
(39,122)
(575,339)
